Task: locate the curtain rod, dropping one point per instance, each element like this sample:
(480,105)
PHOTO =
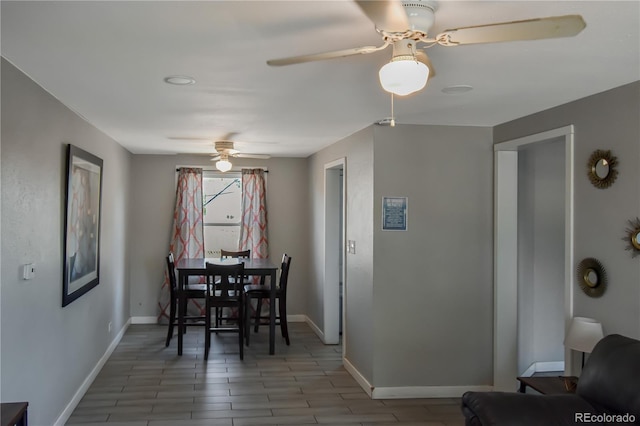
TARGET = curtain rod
(216,170)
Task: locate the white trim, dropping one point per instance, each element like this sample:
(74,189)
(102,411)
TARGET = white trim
(359,378)
(516,144)
(426,391)
(144,320)
(331,276)
(315,329)
(296,318)
(66,413)
(543,367)
(505,242)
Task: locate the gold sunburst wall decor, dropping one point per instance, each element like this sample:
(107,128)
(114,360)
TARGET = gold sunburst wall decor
(602,168)
(592,277)
(632,237)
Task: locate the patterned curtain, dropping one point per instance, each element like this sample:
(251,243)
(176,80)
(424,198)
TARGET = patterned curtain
(253,233)
(187,234)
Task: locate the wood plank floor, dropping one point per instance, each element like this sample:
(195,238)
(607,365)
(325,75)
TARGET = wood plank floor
(145,384)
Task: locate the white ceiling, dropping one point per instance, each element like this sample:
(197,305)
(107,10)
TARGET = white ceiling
(106,60)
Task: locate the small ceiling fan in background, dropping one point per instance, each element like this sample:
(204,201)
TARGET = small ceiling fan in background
(223,150)
(406,24)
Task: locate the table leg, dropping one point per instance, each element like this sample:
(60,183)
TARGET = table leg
(272,314)
(181,277)
(522,388)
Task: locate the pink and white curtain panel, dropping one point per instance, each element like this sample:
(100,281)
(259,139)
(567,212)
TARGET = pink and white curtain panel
(187,234)
(253,232)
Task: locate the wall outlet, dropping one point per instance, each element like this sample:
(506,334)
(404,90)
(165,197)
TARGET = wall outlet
(109,327)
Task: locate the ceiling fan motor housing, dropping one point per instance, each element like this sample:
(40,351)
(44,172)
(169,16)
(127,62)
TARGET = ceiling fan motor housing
(222,146)
(421,14)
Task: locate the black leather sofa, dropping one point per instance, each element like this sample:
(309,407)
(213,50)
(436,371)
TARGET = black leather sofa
(608,392)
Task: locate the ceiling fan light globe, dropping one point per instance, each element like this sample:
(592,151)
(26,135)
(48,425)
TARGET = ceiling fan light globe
(403,77)
(223,165)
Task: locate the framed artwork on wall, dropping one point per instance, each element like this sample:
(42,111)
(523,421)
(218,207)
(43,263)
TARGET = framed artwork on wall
(83,196)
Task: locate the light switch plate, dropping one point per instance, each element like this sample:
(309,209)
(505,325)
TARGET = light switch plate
(351,247)
(28,271)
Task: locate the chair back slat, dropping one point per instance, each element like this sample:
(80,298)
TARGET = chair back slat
(171,272)
(284,272)
(225,282)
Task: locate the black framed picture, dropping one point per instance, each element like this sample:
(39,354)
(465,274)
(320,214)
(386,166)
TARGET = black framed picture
(82,224)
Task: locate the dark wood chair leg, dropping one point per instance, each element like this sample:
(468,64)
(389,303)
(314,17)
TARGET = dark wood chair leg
(247,319)
(207,331)
(284,326)
(257,320)
(172,320)
(241,330)
(184,309)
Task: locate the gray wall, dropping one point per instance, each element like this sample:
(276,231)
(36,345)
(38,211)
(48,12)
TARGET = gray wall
(433,288)
(48,351)
(427,292)
(153,186)
(607,120)
(541,214)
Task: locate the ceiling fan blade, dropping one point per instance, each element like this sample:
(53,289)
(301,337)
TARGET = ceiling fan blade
(422,57)
(257,156)
(215,157)
(530,29)
(326,55)
(188,138)
(388,15)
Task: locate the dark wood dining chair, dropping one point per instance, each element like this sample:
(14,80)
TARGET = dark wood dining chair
(261,292)
(228,254)
(225,285)
(225,254)
(192,291)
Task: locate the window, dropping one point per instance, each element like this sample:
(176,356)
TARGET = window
(222,198)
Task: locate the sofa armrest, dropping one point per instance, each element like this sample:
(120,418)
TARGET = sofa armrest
(507,408)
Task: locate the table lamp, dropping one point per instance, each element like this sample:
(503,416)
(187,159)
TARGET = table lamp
(583,335)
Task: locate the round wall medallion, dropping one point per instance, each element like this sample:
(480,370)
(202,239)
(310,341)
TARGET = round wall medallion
(601,168)
(592,277)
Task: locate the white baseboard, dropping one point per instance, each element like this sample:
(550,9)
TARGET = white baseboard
(542,367)
(425,391)
(296,318)
(362,381)
(315,329)
(144,320)
(66,413)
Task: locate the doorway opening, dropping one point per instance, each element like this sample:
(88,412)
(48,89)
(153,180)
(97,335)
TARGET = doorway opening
(515,252)
(334,256)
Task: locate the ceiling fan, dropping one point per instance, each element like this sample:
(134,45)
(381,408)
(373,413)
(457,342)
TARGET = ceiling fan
(405,24)
(225,149)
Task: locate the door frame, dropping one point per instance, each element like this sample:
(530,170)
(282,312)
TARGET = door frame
(332,257)
(505,343)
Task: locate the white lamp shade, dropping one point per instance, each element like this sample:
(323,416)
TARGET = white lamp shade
(223,165)
(583,334)
(402,77)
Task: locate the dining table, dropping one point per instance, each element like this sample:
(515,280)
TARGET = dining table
(262,268)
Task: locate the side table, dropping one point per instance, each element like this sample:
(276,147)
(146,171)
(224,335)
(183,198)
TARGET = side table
(14,413)
(549,385)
